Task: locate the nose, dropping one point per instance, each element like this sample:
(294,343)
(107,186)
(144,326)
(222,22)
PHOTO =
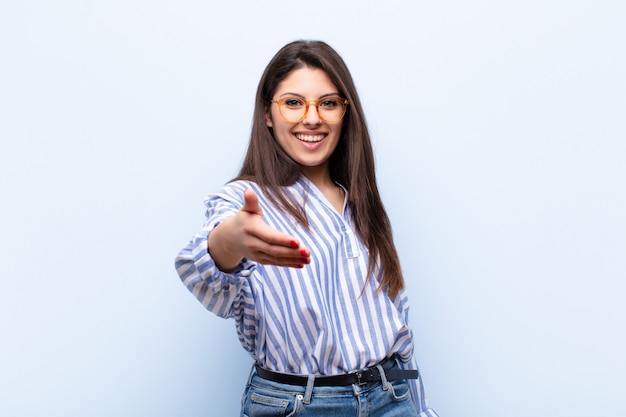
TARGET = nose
(312,116)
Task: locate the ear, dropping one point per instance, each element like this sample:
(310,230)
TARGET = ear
(268,118)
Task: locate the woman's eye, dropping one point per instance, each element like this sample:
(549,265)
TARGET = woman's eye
(293,102)
(329,103)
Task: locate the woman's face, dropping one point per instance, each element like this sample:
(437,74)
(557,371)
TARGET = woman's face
(311,141)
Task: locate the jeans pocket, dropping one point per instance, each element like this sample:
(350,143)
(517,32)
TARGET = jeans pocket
(269,404)
(399,390)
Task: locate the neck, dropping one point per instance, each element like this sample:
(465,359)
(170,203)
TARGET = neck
(320,176)
(321,179)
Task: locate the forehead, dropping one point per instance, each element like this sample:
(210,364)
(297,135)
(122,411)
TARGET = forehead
(308,82)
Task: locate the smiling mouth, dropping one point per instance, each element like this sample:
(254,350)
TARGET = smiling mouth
(309,138)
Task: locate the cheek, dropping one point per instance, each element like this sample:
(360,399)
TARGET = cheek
(278,126)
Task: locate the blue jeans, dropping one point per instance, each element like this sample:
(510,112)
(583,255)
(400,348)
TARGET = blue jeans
(263,398)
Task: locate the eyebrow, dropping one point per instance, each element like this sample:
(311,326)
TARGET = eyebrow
(300,95)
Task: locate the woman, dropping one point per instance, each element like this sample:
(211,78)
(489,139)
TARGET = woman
(298,250)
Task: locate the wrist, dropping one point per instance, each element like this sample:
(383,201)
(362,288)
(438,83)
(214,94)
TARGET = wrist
(221,249)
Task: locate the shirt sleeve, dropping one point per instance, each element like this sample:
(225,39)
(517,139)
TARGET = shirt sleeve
(408,362)
(225,294)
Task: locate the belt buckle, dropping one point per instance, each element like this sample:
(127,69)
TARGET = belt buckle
(360,374)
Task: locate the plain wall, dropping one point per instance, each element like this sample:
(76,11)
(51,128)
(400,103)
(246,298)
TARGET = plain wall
(500,140)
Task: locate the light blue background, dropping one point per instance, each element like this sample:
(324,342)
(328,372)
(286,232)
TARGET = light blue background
(500,141)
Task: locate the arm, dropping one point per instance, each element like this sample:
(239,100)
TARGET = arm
(216,263)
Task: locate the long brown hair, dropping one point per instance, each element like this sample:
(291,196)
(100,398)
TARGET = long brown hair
(351,164)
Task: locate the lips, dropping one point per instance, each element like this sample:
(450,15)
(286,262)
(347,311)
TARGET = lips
(310,138)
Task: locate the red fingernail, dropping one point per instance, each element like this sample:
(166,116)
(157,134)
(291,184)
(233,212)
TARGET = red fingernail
(294,244)
(303,252)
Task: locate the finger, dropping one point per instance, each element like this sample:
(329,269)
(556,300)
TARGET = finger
(279,244)
(298,262)
(265,236)
(276,248)
(277,252)
(251,202)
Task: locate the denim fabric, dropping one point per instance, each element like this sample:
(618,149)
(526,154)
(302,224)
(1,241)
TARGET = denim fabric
(263,398)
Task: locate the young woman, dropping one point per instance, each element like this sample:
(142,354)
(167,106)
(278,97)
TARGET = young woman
(298,250)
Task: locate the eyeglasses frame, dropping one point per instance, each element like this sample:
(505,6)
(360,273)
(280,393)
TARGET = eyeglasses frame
(308,103)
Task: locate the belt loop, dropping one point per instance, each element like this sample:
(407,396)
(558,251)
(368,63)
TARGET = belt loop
(309,389)
(383,376)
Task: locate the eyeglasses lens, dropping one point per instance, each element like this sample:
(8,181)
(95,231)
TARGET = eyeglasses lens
(294,109)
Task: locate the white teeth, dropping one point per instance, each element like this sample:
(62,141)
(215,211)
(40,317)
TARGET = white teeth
(310,138)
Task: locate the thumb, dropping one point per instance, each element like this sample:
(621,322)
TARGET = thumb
(251,202)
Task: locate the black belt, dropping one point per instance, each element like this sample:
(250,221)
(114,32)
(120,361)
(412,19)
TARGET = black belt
(359,377)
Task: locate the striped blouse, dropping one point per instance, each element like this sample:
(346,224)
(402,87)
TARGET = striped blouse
(312,320)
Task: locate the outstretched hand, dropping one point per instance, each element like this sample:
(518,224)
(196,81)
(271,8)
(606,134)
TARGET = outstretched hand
(246,235)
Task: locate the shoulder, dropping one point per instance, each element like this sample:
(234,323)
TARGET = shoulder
(229,195)
(238,187)
(233,189)
(232,194)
